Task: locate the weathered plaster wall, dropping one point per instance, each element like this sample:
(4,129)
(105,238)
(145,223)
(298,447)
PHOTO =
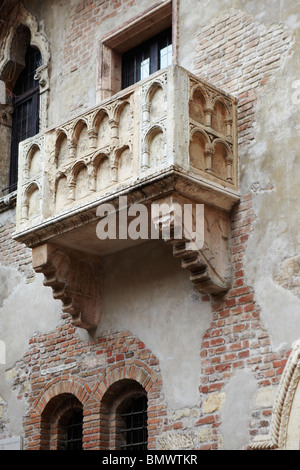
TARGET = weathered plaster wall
(235,413)
(274,163)
(25,309)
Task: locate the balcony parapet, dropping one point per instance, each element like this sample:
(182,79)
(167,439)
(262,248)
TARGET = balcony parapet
(169,136)
(173,120)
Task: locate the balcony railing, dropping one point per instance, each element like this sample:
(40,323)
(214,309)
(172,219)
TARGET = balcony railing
(172,121)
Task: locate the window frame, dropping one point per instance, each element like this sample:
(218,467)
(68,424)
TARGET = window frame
(23,29)
(140,29)
(29,96)
(132,59)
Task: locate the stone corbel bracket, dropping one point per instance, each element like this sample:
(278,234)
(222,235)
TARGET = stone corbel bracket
(75,279)
(199,236)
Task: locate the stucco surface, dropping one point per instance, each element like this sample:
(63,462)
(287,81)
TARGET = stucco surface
(19,321)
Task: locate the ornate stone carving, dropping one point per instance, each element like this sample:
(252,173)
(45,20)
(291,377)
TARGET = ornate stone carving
(213,134)
(202,245)
(75,279)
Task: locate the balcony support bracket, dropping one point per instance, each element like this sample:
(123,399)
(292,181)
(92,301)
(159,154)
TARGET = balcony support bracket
(75,279)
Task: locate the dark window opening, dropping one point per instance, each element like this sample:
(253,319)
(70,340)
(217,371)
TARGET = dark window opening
(135,420)
(73,431)
(25,120)
(147,58)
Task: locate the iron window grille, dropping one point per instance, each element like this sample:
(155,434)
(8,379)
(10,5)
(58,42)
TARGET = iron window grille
(25,119)
(135,420)
(73,431)
(149,57)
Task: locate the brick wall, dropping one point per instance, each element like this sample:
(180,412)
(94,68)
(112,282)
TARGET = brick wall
(240,56)
(12,253)
(86,18)
(61,363)
(237,338)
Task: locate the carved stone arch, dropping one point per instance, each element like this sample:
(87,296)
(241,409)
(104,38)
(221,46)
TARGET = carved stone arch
(155,84)
(123,121)
(101,174)
(61,191)
(220,99)
(155,101)
(62,147)
(120,108)
(76,168)
(124,162)
(154,146)
(200,105)
(79,189)
(10,66)
(200,150)
(199,88)
(79,137)
(222,160)
(30,165)
(24,25)
(99,115)
(221,116)
(78,125)
(198,130)
(31,201)
(101,124)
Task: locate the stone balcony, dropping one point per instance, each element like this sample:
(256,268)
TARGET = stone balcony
(170,138)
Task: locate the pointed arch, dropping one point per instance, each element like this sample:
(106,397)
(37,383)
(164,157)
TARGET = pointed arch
(27,25)
(22,35)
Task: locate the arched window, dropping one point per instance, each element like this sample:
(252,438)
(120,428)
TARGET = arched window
(62,423)
(25,119)
(25,55)
(124,417)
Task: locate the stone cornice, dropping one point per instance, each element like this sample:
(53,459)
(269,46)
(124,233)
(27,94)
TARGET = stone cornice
(141,192)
